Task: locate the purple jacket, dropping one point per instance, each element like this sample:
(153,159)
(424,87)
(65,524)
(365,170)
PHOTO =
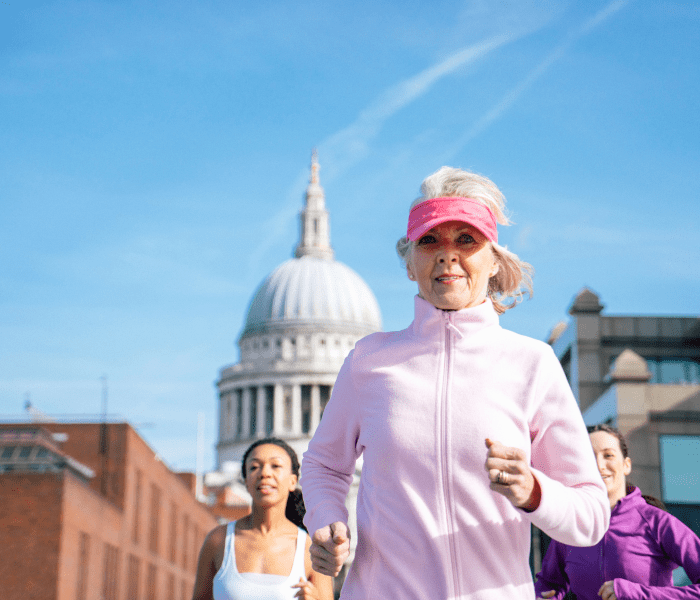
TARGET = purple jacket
(639,551)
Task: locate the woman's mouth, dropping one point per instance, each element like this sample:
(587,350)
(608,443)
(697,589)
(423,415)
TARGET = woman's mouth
(448,278)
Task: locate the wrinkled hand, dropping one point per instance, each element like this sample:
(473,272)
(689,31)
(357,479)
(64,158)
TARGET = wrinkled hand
(520,485)
(307,590)
(607,591)
(330,548)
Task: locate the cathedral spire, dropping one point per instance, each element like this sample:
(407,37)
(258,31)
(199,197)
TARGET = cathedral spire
(315,237)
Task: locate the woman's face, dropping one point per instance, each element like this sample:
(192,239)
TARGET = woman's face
(613,467)
(269,478)
(452,264)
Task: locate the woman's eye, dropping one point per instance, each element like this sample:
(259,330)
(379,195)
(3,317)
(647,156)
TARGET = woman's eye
(465,238)
(427,239)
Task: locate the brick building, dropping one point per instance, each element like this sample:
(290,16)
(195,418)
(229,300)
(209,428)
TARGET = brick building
(90,512)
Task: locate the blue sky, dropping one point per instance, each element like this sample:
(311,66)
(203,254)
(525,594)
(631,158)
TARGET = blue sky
(153,159)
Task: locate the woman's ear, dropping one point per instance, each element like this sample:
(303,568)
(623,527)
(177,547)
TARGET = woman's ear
(627,466)
(494,270)
(409,271)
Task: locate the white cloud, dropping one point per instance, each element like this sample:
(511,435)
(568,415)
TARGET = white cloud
(515,93)
(343,149)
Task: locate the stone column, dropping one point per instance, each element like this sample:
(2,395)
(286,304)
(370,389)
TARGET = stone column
(260,420)
(246,414)
(315,408)
(223,416)
(296,409)
(278,410)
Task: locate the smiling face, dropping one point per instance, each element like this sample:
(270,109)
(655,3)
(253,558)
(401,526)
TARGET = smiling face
(613,466)
(269,478)
(452,264)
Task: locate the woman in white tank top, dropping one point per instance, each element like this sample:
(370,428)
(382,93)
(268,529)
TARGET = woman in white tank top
(264,556)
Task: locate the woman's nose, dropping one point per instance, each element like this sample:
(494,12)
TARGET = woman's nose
(447,255)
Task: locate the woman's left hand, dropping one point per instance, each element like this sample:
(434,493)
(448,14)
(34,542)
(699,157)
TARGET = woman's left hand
(607,591)
(510,475)
(307,590)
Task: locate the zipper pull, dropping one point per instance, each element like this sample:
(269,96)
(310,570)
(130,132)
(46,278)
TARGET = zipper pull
(451,326)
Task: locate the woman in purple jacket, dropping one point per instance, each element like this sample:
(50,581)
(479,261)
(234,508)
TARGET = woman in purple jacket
(638,553)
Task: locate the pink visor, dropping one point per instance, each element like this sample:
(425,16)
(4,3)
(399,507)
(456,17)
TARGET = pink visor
(428,214)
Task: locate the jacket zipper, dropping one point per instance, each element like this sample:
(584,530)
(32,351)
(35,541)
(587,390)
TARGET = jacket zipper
(447,488)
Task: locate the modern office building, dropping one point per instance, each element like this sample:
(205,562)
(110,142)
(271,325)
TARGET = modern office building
(90,512)
(642,375)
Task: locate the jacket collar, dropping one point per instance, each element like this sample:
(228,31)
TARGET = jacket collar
(429,321)
(629,502)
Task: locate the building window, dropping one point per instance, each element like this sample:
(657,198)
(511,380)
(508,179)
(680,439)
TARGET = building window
(81,589)
(155,519)
(287,396)
(173,532)
(25,451)
(680,468)
(137,506)
(195,546)
(253,414)
(325,394)
(239,413)
(132,582)
(305,408)
(269,409)
(8,451)
(171,587)
(674,370)
(185,535)
(151,582)
(110,572)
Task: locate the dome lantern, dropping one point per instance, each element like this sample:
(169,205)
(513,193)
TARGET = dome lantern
(315,234)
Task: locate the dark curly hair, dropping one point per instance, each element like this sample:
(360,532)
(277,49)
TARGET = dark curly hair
(295,509)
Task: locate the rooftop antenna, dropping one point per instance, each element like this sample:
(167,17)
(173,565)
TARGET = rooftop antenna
(198,486)
(104,445)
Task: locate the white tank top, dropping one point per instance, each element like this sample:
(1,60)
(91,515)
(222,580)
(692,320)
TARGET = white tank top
(229,584)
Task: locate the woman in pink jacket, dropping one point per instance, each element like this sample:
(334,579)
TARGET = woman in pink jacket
(468,432)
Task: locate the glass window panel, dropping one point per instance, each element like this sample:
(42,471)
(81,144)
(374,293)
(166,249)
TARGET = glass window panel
(680,468)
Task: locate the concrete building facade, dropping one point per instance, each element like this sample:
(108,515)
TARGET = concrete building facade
(640,374)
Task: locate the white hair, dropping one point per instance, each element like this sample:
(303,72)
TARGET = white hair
(514,277)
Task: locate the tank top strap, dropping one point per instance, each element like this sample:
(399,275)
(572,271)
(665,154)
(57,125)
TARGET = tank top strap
(229,559)
(298,567)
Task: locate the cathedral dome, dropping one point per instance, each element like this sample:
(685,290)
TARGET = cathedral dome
(312,291)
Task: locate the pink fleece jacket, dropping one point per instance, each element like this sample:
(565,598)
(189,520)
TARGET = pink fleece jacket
(418,404)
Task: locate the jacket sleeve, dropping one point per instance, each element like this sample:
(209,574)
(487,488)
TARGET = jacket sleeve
(682,546)
(329,463)
(553,574)
(574,508)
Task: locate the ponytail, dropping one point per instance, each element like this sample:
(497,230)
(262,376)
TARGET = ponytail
(296,509)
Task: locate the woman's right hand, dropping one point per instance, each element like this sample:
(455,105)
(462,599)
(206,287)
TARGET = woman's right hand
(330,548)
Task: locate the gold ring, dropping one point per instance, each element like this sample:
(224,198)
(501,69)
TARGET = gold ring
(502,478)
